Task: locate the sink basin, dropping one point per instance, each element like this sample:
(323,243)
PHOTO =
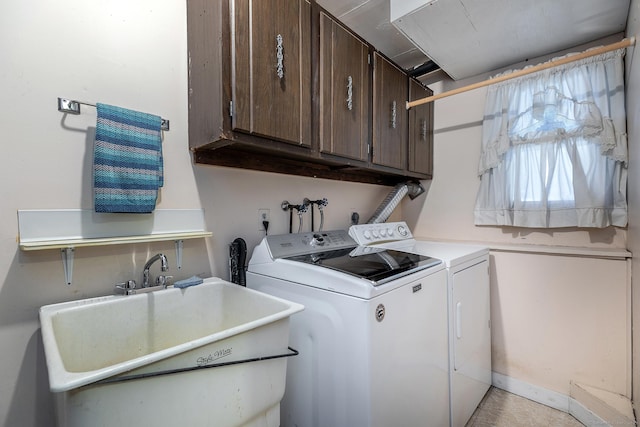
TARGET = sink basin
(99,347)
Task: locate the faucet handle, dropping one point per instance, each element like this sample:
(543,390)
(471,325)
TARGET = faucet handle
(163,280)
(128,287)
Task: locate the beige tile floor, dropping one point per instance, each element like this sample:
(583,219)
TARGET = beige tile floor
(502,409)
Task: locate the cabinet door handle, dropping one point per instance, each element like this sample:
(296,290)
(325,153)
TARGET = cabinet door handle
(459,320)
(350,93)
(393,114)
(279,57)
(423,129)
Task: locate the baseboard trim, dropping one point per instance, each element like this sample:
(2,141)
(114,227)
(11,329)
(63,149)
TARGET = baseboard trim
(584,415)
(550,398)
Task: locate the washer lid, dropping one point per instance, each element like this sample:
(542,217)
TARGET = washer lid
(377,265)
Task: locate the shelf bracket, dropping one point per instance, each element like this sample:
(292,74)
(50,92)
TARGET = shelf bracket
(179,244)
(67,264)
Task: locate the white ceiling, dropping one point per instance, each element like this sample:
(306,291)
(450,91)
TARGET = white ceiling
(370,20)
(470,37)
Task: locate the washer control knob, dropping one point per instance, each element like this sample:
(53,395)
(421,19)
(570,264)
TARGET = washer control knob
(383,232)
(375,233)
(402,230)
(366,234)
(317,240)
(390,232)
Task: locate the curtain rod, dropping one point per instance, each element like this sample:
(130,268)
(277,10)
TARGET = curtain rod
(586,54)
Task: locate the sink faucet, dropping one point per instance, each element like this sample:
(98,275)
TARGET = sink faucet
(147,266)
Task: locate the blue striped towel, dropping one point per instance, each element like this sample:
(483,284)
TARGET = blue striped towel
(127,161)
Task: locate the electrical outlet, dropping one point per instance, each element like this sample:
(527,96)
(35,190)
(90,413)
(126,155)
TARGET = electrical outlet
(354,217)
(263,215)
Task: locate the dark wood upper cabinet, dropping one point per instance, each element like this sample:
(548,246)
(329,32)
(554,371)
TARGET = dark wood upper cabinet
(390,95)
(272,69)
(344,91)
(282,86)
(420,130)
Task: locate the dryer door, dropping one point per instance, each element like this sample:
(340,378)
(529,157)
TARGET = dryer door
(471,339)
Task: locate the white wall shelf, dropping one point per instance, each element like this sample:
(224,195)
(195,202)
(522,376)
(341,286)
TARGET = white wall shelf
(68,229)
(79,243)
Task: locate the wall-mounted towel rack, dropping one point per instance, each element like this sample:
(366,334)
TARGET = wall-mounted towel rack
(73,107)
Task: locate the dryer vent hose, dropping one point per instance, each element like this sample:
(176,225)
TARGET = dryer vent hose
(393,199)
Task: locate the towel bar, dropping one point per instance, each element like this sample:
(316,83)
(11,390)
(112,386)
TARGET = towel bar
(73,107)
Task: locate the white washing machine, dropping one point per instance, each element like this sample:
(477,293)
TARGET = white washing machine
(372,337)
(468,307)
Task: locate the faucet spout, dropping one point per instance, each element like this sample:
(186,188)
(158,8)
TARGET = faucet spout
(145,272)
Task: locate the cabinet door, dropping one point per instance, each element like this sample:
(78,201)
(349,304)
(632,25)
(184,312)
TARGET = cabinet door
(389,114)
(271,76)
(344,91)
(420,131)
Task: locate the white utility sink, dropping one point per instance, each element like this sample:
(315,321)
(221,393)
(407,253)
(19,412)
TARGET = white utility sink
(153,350)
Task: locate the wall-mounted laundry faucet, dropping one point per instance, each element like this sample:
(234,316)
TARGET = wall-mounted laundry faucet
(301,209)
(321,203)
(161,279)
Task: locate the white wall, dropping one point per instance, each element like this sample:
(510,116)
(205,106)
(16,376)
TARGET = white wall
(134,54)
(232,197)
(131,54)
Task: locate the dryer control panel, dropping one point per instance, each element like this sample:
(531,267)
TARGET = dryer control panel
(368,234)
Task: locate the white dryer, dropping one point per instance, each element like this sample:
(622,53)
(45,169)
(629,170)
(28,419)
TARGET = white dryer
(468,309)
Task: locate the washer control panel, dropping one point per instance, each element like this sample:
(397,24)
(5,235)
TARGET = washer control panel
(287,245)
(368,234)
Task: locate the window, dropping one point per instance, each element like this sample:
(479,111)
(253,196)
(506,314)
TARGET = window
(554,148)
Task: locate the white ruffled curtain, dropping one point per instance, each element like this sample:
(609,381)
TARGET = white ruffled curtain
(554,148)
